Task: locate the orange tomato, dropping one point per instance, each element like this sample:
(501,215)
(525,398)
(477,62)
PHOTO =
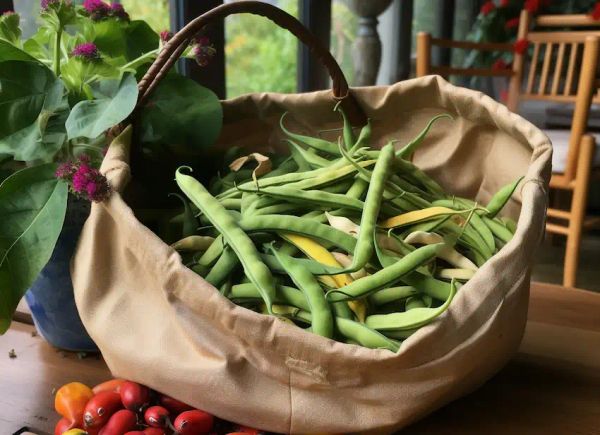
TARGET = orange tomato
(112,385)
(70,401)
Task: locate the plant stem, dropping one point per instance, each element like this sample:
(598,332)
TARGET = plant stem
(57,52)
(143,57)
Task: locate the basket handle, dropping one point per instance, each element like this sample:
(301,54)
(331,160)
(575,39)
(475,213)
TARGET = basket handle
(178,43)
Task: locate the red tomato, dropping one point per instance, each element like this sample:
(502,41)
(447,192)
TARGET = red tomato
(121,422)
(193,422)
(112,385)
(134,396)
(157,416)
(174,406)
(154,431)
(135,432)
(63,425)
(100,408)
(247,430)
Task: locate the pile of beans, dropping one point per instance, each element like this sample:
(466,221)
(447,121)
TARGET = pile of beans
(346,241)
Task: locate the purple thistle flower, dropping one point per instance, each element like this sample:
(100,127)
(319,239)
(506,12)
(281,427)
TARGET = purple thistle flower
(203,51)
(117,11)
(165,35)
(97,9)
(86,51)
(45,4)
(85,181)
(8,13)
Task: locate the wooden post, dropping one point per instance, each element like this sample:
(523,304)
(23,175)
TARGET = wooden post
(423,54)
(445,26)
(514,87)
(316,15)
(367,46)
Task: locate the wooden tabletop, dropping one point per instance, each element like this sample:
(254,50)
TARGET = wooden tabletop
(552,386)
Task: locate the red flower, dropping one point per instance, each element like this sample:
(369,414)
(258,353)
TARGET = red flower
(487,7)
(532,5)
(499,64)
(520,46)
(595,12)
(85,181)
(512,23)
(503,95)
(504,3)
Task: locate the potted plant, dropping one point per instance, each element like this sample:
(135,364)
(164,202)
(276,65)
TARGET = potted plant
(60,92)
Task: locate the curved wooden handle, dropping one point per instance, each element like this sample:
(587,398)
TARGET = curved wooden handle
(178,43)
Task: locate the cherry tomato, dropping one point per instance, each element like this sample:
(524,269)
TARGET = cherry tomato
(247,430)
(134,396)
(112,385)
(174,406)
(193,422)
(70,401)
(154,431)
(100,408)
(135,432)
(63,425)
(119,423)
(157,416)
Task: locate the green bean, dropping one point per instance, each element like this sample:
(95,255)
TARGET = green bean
(363,137)
(313,267)
(301,226)
(426,284)
(313,160)
(423,301)
(212,254)
(313,142)
(241,244)
(223,268)
(387,276)
(501,197)
(285,295)
(357,332)
(358,188)
(510,224)
(392,294)
(310,197)
(322,320)
(411,319)
(190,224)
(232,203)
(498,229)
(298,157)
(347,130)
(364,246)
(410,148)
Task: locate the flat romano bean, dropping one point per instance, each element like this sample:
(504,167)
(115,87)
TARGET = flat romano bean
(357,332)
(392,294)
(384,277)
(285,295)
(322,319)
(235,237)
(411,319)
(301,226)
(223,268)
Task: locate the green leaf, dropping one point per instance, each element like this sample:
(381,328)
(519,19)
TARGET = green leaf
(140,39)
(79,74)
(32,211)
(123,39)
(24,87)
(10,52)
(9,28)
(114,101)
(181,112)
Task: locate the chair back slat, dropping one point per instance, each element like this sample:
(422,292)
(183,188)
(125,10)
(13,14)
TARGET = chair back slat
(571,69)
(532,70)
(559,67)
(545,69)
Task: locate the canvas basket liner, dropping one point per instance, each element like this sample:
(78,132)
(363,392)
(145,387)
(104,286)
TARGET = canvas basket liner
(160,324)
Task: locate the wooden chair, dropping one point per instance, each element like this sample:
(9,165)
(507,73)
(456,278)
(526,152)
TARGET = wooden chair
(548,83)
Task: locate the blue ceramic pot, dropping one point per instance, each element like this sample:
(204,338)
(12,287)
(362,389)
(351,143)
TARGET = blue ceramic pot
(51,299)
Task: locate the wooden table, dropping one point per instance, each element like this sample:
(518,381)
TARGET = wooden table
(552,386)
